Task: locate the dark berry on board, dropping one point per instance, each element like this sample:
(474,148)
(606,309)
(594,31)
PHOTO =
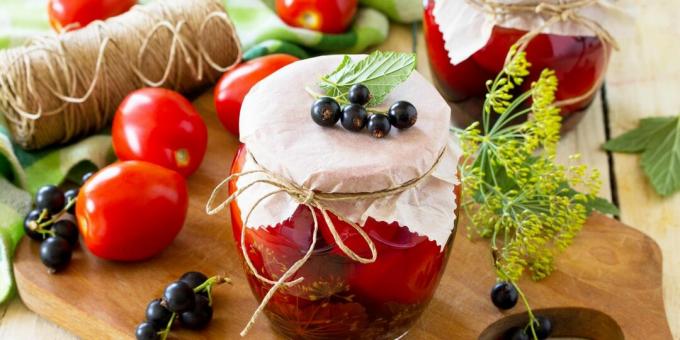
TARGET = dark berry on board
(193,279)
(403,114)
(199,316)
(326,111)
(146,331)
(354,117)
(504,295)
(359,94)
(31,222)
(379,125)
(66,229)
(55,253)
(51,198)
(542,327)
(71,195)
(517,333)
(157,314)
(179,297)
(86,177)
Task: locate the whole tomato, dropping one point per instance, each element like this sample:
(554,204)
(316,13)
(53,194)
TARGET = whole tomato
(162,127)
(74,14)
(328,16)
(131,210)
(235,84)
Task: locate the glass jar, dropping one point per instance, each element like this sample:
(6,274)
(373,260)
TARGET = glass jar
(578,62)
(341,298)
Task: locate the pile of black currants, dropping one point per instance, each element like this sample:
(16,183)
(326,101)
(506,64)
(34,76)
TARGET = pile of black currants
(354,116)
(504,295)
(188,301)
(51,223)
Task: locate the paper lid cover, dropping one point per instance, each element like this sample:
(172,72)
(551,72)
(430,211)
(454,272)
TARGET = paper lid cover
(466,28)
(276,126)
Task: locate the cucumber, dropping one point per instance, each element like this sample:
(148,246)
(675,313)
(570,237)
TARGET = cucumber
(273,46)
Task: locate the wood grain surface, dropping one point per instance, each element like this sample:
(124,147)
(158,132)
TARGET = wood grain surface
(98,299)
(643,80)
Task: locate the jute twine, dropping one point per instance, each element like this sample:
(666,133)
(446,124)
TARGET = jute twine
(553,13)
(56,88)
(312,200)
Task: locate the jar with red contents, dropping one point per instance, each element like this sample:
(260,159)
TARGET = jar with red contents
(579,61)
(411,231)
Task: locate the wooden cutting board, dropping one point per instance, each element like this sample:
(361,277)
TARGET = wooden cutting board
(607,285)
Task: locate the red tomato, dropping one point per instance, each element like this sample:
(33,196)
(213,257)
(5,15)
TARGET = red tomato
(162,127)
(131,210)
(235,84)
(74,14)
(328,16)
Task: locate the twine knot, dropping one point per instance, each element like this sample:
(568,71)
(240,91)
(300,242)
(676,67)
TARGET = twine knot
(314,201)
(308,197)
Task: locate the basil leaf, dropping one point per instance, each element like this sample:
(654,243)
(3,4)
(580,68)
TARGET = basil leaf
(381,72)
(661,158)
(637,140)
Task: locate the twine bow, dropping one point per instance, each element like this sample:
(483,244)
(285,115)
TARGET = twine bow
(312,200)
(563,11)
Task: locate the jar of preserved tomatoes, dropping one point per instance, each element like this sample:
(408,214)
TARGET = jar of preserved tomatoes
(342,235)
(468,41)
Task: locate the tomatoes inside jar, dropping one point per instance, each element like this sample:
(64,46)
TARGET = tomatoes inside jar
(339,297)
(578,62)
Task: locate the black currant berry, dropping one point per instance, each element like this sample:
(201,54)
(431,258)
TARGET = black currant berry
(359,94)
(326,111)
(199,316)
(146,331)
(179,297)
(504,295)
(354,117)
(51,198)
(86,177)
(158,315)
(55,253)
(517,333)
(193,279)
(379,125)
(403,114)
(71,195)
(31,223)
(66,229)
(542,327)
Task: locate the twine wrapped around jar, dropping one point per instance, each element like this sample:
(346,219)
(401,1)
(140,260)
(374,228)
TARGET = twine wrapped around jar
(561,11)
(312,200)
(58,88)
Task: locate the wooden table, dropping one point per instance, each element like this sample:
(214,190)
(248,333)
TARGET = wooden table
(643,80)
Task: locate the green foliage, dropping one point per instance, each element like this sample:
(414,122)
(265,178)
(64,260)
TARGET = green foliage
(380,72)
(658,139)
(515,193)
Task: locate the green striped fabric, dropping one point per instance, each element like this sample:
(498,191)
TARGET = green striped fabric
(256,22)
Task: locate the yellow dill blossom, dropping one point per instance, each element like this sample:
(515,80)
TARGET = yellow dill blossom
(515,194)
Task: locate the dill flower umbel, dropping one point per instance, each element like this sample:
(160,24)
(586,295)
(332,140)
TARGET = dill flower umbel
(514,193)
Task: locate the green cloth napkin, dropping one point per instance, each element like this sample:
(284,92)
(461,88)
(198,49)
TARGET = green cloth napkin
(403,11)
(255,22)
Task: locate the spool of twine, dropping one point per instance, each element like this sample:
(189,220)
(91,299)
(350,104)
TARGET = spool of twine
(58,88)
(552,13)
